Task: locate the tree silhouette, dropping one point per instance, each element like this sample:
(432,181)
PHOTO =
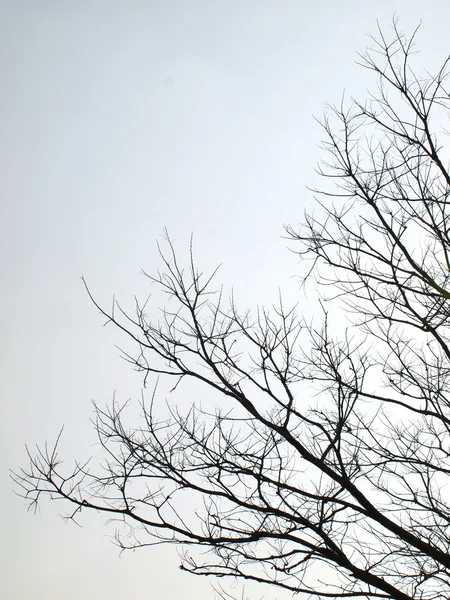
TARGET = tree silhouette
(314,445)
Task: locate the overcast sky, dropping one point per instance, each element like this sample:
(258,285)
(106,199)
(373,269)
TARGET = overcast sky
(118,119)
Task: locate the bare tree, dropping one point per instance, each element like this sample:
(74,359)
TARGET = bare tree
(313,445)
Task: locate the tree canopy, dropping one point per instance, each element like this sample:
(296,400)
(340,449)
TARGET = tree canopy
(315,445)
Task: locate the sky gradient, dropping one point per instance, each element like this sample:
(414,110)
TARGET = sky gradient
(117,120)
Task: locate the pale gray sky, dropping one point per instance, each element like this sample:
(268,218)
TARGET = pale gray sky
(117,119)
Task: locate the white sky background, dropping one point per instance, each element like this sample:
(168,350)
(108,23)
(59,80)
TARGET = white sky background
(120,118)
